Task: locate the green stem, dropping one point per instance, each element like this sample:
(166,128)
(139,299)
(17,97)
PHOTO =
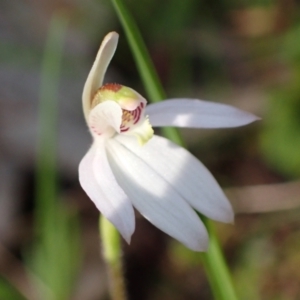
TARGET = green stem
(112,254)
(215,266)
(213,260)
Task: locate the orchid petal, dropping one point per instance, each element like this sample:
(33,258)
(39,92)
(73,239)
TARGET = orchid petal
(105,118)
(197,114)
(155,199)
(188,176)
(98,181)
(96,75)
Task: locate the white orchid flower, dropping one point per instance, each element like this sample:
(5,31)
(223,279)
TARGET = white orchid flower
(129,166)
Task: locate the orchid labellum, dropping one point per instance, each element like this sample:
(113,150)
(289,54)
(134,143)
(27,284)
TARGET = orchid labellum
(128,166)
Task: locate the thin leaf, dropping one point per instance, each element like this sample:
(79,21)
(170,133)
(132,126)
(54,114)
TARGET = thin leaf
(54,258)
(213,260)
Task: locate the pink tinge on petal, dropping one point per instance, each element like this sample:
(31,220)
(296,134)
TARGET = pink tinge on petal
(93,126)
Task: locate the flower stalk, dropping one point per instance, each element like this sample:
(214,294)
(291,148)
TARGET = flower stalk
(112,254)
(215,266)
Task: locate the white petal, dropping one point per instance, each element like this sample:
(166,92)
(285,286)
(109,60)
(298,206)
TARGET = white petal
(156,200)
(186,174)
(196,113)
(105,118)
(98,181)
(96,75)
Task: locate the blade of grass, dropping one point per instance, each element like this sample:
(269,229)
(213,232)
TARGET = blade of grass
(213,260)
(46,177)
(56,254)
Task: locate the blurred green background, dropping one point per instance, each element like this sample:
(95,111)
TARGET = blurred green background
(244,53)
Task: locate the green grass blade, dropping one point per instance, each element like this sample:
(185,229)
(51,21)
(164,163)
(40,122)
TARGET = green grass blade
(55,256)
(46,190)
(144,64)
(213,260)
